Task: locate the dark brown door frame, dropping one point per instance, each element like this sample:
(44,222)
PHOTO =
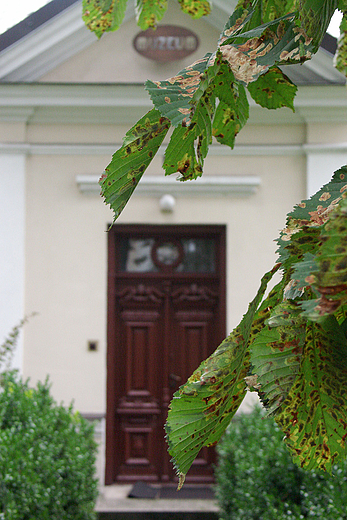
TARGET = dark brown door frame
(214,231)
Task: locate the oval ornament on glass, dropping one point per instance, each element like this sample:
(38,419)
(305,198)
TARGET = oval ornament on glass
(166,43)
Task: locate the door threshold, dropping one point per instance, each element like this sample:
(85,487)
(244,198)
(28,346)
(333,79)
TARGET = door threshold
(114,499)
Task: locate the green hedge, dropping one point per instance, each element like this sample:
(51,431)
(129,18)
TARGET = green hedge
(256,479)
(47,456)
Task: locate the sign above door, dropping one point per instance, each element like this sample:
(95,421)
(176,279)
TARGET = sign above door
(166,43)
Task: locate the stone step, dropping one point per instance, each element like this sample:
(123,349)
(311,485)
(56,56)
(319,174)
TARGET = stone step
(113,503)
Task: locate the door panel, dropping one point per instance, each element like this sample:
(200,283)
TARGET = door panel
(164,319)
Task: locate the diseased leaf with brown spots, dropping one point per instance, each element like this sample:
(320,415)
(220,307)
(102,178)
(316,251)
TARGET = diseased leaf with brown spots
(103,15)
(314,415)
(276,354)
(195,8)
(183,154)
(128,164)
(188,146)
(313,212)
(273,90)
(273,9)
(278,41)
(149,12)
(172,97)
(340,58)
(314,18)
(233,109)
(202,408)
(305,241)
(327,276)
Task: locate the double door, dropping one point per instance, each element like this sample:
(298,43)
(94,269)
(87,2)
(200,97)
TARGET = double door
(166,313)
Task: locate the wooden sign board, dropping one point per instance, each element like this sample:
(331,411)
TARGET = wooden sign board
(166,43)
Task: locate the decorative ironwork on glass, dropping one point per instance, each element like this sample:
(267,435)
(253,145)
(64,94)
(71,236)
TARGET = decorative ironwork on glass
(136,255)
(150,255)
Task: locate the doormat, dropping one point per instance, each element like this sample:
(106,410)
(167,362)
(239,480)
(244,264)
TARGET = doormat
(197,493)
(143,490)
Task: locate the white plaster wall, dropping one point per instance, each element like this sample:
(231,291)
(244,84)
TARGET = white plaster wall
(324,153)
(66,280)
(12,235)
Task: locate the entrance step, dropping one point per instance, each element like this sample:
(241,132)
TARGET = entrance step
(114,504)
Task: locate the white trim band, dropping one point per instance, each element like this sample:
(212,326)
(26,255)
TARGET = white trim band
(157,185)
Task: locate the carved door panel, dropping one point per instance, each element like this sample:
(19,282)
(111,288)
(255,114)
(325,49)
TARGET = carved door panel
(164,319)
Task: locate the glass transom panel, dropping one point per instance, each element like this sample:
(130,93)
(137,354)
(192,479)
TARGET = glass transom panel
(150,255)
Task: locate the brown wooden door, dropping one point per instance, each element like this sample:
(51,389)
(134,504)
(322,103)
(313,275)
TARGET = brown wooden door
(166,313)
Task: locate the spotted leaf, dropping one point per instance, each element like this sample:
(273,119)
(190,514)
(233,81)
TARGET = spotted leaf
(189,145)
(276,354)
(273,90)
(195,8)
(327,276)
(340,58)
(128,164)
(279,41)
(202,408)
(314,415)
(313,212)
(173,96)
(314,17)
(305,241)
(233,108)
(103,15)
(149,12)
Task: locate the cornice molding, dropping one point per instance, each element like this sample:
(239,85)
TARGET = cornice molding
(124,103)
(215,150)
(156,185)
(325,148)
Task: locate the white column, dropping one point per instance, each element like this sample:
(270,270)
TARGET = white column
(322,162)
(12,231)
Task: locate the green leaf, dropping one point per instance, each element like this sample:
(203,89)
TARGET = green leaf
(301,271)
(128,164)
(189,145)
(278,42)
(315,16)
(276,354)
(173,96)
(195,8)
(182,154)
(149,12)
(340,58)
(233,109)
(305,241)
(314,415)
(259,30)
(313,212)
(328,274)
(202,408)
(239,19)
(103,15)
(273,90)
(273,9)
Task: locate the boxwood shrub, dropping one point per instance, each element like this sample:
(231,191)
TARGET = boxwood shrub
(257,480)
(47,456)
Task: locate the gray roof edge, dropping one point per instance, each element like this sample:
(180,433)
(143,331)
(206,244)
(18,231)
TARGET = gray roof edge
(33,22)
